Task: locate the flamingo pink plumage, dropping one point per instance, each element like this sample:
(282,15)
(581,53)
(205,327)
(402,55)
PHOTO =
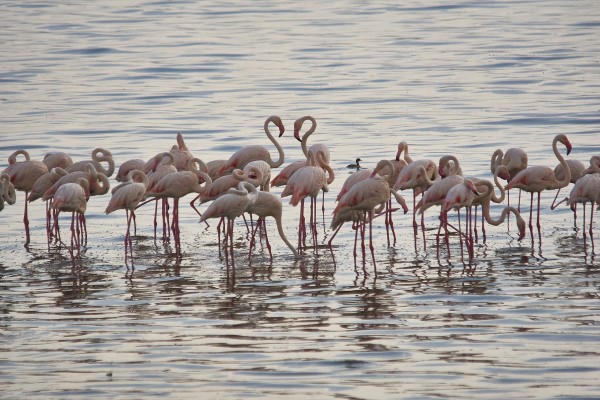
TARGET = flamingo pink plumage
(23,175)
(177,185)
(72,197)
(230,206)
(58,159)
(99,155)
(127,196)
(308,181)
(587,190)
(539,178)
(255,152)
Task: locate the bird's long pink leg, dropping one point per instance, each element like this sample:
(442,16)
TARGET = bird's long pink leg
(388,216)
(362,237)
(26,221)
(575,216)
(231,242)
(155,223)
(392,221)
(356,228)
(584,219)
(591,224)
(371,247)
(313,213)
(531,217)
(414,215)
(332,236)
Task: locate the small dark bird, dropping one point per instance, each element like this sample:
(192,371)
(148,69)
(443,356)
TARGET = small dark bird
(355,166)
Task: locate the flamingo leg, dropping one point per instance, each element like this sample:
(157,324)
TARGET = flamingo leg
(371,247)
(26,221)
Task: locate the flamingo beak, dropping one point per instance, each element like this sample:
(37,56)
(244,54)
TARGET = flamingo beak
(281,130)
(297,134)
(569,147)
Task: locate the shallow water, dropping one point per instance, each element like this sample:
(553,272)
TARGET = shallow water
(465,78)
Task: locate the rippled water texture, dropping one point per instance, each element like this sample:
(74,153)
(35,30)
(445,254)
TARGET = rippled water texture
(520,321)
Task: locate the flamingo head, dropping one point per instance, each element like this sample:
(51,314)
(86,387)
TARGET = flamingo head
(297,127)
(521,225)
(564,140)
(471,186)
(503,172)
(279,124)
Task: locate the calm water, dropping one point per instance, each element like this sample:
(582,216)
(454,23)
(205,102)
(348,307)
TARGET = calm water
(464,78)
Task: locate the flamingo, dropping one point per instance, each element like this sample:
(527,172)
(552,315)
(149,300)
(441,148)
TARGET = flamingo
(403,149)
(308,181)
(57,159)
(449,165)
(230,206)
(515,160)
(98,182)
(7,191)
(284,175)
(485,198)
(129,165)
(459,196)
(164,168)
(177,185)
(127,196)
(315,148)
(365,196)
(181,154)
(587,189)
(73,197)
(265,172)
(213,168)
(250,153)
(539,178)
(576,167)
(22,175)
(41,185)
(358,176)
(265,205)
(412,177)
(99,155)
(502,172)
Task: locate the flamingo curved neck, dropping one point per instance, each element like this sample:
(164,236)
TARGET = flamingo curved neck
(567,176)
(13,157)
(304,140)
(281,159)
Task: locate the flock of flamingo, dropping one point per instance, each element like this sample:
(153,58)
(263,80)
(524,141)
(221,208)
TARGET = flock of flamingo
(241,185)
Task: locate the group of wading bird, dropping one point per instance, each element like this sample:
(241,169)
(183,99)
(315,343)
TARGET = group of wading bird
(241,185)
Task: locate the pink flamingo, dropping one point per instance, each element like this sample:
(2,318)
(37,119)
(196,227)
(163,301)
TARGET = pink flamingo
(177,185)
(459,196)
(127,196)
(265,173)
(365,196)
(382,166)
(266,205)
(587,190)
(182,157)
(487,196)
(539,178)
(315,148)
(7,191)
(250,153)
(502,172)
(230,206)
(99,155)
(284,175)
(412,177)
(127,166)
(41,185)
(213,167)
(57,159)
(164,168)
(73,197)
(23,175)
(576,167)
(515,160)
(308,181)
(449,165)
